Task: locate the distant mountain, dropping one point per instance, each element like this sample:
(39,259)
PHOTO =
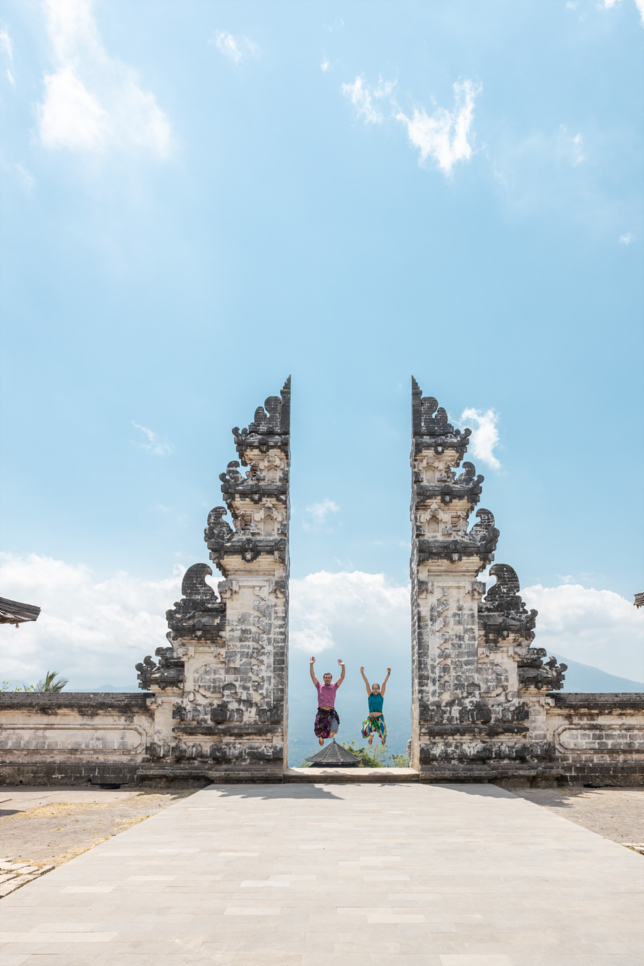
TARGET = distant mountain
(585,679)
(105,687)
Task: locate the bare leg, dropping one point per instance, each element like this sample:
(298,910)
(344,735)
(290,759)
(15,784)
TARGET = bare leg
(370,739)
(333,734)
(321,740)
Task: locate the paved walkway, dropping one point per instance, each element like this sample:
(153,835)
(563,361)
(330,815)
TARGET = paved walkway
(353,875)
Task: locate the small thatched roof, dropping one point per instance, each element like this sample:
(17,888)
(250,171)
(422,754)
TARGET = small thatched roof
(335,756)
(13,612)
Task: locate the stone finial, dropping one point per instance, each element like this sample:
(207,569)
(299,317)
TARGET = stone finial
(503,615)
(194,586)
(430,426)
(534,672)
(168,673)
(270,427)
(199,615)
(502,611)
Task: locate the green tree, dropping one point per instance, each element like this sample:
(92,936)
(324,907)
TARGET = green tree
(371,757)
(400,761)
(6,686)
(50,683)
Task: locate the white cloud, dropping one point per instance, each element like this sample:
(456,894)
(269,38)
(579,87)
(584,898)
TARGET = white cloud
(234,48)
(94,632)
(348,610)
(324,66)
(362,99)
(485,435)
(444,134)
(595,627)
(6,46)
(154,445)
(627,238)
(319,513)
(358,614)
(70,116)
(91,632)
(92,101)
(607,4)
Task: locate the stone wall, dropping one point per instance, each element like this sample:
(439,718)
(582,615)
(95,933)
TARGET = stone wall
(66,738)
(597,738)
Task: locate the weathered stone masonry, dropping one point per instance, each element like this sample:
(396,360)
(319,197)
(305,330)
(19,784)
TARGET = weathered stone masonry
(481,707)
(221,685)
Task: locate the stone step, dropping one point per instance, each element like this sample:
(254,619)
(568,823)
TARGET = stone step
(351,775)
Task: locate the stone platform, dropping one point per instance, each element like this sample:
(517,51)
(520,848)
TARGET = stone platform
(403,874)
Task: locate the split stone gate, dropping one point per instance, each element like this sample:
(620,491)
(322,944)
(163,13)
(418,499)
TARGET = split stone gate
(484,700)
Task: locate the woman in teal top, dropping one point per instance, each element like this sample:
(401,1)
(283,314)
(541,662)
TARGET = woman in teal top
(375,721)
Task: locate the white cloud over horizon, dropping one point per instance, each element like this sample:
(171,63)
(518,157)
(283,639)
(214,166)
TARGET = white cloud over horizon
(329,608)
(94,632)
(234,48)
(595,627)
(485,435)
(92,101)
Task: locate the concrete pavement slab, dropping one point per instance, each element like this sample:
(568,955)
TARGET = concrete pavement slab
(376,874)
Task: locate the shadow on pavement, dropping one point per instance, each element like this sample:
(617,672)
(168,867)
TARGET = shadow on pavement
(484,790)
(272,792)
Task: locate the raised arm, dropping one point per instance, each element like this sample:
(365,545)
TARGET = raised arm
(384,683)
(341,678)
(313,677)
(364,678)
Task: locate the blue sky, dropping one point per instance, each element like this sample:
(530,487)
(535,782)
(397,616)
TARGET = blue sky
(200,198)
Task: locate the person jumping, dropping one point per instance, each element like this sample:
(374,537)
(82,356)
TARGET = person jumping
(375,721)
(327,720)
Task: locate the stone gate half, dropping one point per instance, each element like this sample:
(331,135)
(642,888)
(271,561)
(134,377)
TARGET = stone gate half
(477,684)
(220,685)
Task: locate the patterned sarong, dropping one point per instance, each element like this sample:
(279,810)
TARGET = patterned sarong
(374,726)
(326,721)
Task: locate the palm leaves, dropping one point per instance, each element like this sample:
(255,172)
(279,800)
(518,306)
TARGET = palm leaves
(50,683)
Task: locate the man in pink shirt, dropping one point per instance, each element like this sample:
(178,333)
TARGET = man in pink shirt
(327,720)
